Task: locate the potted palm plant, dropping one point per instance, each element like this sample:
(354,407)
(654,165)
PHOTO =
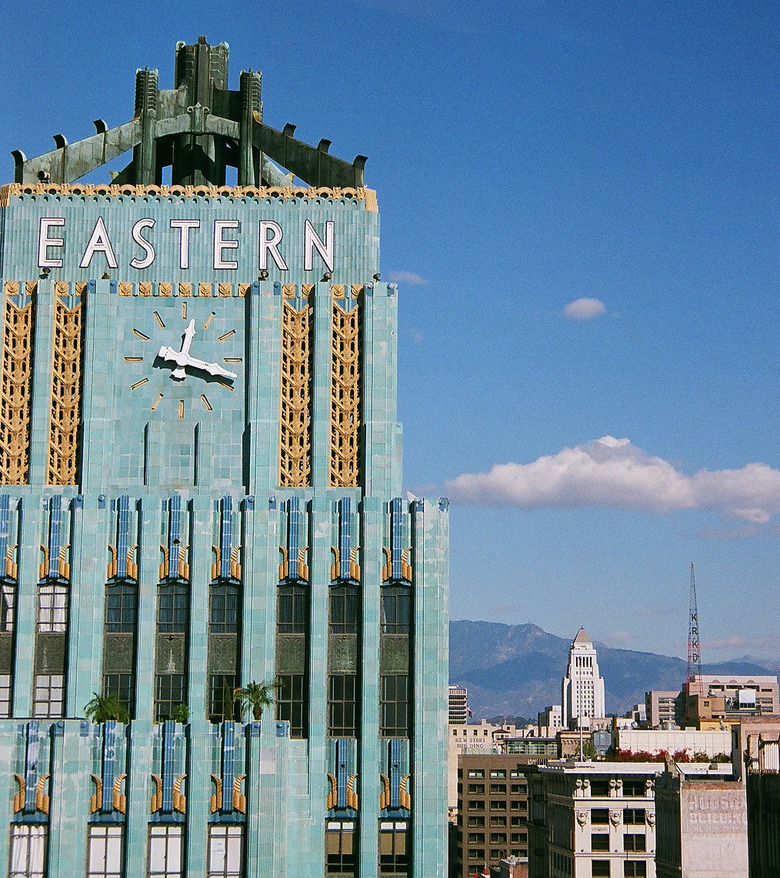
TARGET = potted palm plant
(255,697)
(105,707)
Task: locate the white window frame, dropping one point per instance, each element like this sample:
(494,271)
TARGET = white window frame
(28,850)
(105,848)
(165,852)
(226,850)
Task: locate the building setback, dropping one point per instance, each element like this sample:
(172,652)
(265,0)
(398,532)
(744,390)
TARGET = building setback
(200,464)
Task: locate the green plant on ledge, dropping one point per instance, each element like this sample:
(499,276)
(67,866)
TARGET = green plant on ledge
(182,714)
(106,707)
(255,697)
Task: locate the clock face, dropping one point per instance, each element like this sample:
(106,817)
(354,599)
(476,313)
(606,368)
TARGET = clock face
(182,358)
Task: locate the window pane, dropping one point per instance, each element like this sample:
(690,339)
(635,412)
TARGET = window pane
(396,609)
(224,608)
(344,609)
(7,604)
(173,608)
(121,602)
(52,607)
(292,611)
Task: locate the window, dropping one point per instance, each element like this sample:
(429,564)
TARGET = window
(498,821)
(28,851)
(497,853)
(52,607)
(516,821)
(477,789)
(477,805)
(104,852)
(344,609)
(7,605)
(599,868)
(165,858)
(635,868)
(518,789)
(291,703)
(48,695)
(342,705)
(340,847)
(221,689)
(599,842)
(224,606)
(394,706)
(633,786)
(476,838)
(5,695)
(498,838)
(169,695)
(396,609)
(498,788)
(599,816)
(518,838)
(497,772)
(173,608)
(120,685)
(393,847)
(498,805)
(634,816)
(632,842)
(476,853)
(519,805)
(292,609)
(599,788)
(225,851)
(476,821)
(477,772)
(121,604)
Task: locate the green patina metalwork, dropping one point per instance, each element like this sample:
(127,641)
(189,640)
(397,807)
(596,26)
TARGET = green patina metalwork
(199,129)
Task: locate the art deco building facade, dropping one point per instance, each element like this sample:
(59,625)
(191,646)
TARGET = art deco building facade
(201,478)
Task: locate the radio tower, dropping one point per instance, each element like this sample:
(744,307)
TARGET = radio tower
(694,648)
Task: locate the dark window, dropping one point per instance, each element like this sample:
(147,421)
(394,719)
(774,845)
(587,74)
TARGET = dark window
(635,869)
(633,786)
(292,609)
(477,789)
(476,838)
(498,788)
(498,805)
(121,607)
(599,788)
(634,816)
(342,705)
(221,689)
(477,805)
(393,848)
(7,605)
(340,848)
(633,842)
(599,842)
(599,816)
(224,607)
(120,685)
(477,854)
(396,609)
(497,853)
(173,608)
(169,695)
(498,821)
(394,707)
(518,789)
(291,703)
(476,821)
(344,609)
(498,838)
(599,868)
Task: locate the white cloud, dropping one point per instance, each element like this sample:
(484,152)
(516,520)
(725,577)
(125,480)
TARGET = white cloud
(584,309)
(407,277)
(613,472)
(620,637)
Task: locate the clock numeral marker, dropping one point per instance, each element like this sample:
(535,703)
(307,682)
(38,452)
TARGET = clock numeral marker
(226,384)
(134,359)
(138,384)
(233,360)
(181,409)
(140,334)
(209,319)
(157,401)
(206,402)
(226,335)
(159,320)
(183,310)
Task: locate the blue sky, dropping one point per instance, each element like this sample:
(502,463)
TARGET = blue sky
(580,204)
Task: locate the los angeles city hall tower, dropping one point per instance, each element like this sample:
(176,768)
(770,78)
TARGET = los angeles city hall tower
(200,489)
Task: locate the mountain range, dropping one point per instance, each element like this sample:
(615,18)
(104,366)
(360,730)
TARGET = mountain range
(516,670)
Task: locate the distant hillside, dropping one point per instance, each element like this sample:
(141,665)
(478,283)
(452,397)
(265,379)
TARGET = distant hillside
(517,669)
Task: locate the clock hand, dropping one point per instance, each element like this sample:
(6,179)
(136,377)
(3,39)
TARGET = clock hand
(211,368)
(189,332)
(182,358)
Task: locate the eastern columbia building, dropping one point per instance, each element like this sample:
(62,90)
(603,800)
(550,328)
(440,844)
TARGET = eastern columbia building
(200,490)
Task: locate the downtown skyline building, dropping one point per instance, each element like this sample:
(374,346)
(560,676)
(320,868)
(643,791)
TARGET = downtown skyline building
(200,488)
(582,689)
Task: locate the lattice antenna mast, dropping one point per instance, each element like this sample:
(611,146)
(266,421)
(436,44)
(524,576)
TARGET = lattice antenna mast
(694,648)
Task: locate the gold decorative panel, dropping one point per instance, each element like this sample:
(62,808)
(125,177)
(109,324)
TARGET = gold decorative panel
(65,394)
(345,397)
(295,395)
(15,388)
